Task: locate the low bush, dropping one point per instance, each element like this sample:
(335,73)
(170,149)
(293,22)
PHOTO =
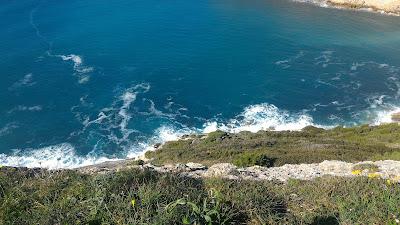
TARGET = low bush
(251,159)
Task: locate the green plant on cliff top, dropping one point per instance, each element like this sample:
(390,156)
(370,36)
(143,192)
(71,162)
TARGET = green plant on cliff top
(211,211)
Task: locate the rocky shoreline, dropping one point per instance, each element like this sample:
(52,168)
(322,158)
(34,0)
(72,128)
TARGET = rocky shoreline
(391,7)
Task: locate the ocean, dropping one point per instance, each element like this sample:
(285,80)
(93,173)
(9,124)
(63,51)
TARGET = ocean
(83,82)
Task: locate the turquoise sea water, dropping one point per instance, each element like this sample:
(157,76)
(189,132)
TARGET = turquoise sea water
(87,81)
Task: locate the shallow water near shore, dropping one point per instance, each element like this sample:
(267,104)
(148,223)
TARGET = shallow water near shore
(87,81)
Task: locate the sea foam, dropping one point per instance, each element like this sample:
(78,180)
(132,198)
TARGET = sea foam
(262,117)
(52,157)
(26,81)
(385,115)
(81,70)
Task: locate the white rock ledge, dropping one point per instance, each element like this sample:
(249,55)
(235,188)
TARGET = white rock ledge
(387,169)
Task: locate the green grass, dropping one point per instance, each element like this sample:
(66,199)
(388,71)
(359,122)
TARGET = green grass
(310,145)
(67,197)
(134,196)
(395,155)
(366,166)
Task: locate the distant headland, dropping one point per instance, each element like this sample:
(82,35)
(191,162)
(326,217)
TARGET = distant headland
(383,6)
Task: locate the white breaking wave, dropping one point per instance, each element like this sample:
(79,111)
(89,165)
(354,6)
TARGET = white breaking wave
(262,117)
(51,157)
(321,3)
(253,118)
(161,135)
(64,155)
(383,116)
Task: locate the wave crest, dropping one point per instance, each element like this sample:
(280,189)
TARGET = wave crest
(262,117)
(51,157)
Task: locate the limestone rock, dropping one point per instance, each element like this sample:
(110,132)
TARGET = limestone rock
(387,169)
(195,166)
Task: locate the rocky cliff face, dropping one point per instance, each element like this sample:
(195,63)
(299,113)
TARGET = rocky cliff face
(389,6)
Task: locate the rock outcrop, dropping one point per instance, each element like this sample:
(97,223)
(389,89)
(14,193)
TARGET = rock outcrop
(388,6)
(387,169)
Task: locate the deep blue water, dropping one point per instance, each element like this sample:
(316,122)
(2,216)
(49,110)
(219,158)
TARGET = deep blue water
(83,81)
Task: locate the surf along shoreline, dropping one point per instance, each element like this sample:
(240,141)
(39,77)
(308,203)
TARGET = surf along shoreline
(246,149)
(387,7)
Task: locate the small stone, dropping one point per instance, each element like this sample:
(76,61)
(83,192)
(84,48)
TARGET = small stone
(156,146)
(195,166)
(180,167)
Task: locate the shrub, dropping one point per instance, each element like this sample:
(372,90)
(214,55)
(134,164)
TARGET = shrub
(251,159)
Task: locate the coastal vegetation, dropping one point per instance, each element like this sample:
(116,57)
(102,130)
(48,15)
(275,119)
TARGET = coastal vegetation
(271,148)
(143,196)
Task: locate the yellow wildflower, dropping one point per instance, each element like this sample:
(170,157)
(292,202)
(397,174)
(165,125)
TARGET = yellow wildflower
(356,172)
(396,179)
(389,182)
(133,202)
(374,175)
